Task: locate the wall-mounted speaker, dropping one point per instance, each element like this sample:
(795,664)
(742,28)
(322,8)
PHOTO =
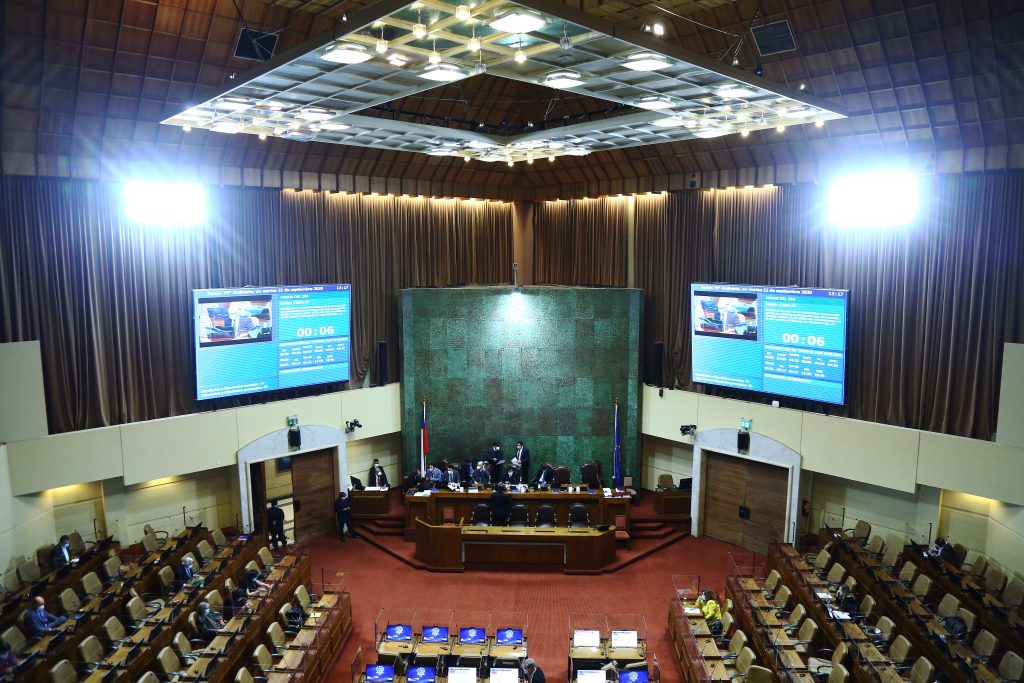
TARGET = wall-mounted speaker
(743,441)
(294,438)
(657,365)
(382,363)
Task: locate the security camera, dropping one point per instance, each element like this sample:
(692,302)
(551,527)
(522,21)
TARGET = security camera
(687,430)
(352,426)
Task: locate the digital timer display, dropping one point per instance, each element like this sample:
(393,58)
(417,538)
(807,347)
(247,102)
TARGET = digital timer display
(784,341)
(255,339)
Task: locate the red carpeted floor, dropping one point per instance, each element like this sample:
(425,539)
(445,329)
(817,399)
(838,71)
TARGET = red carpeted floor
(378,580)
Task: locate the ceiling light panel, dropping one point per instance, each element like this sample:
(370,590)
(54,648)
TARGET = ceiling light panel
(357,77)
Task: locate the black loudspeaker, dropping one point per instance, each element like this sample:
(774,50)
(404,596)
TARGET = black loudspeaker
(659,363)
(382,363)
(743,442)
(294,438)
(744,512)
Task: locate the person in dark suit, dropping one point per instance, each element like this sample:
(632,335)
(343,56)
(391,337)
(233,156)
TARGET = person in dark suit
(39,622)
(522,455)
(343,514)
(497,460)
(480,474)
(534,674)
(942,551)
(208,624)
(434,475)
(60,555)
(501,506)
(185,572)
(453,476)
(275,525)
(544,475)
(377,477)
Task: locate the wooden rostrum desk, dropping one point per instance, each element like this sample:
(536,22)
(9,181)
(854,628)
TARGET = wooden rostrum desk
(456,547)
(431,508)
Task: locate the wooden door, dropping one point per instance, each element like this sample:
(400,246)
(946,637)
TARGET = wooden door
(313,492)
(732,482)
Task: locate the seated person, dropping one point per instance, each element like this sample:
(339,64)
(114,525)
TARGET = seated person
(941,551)
(712,611)
(252,584)
(481,477)
(40,622)
(501,506)
(185,571)
(544,475)
(513,474)
(434,475)
(208,624)
(8,662)
(60,555)
(414,480)
(453,476)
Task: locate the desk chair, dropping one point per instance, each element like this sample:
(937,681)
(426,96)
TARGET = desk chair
(63,672)
(835,575)
(984,644)
(821,667)
(811,558)
(28,572)
(621,530)
(545,517)
(136,612)
(781,598)
(148,677)
(867,610)
(162,535)
(969,619)
(806,636)
(77,544)
(150,543)
(860,532)
(205,551)
(167,582)
(91,652)
(266,557)
(519,516)
(995,580)
(282,617)
(771,583)
(727,623)
(447,516)
(69,601)
(276,636)
(219,539)
(876,545)
(169,663)
(922,586)
(112,568)
(43,555)
(243,676)
(907,573)
(744,660)
(886,633)
(304,598)
(891,557)
(1013,595)
(590,474)
(14,637)
(91,585)
(948,606)
(1011,666)
(923,671)
(215,600)
(665,483)
(900,650)
(481,515)
(736,644)
(977,570)
(795,619)
(822,561)
(113,629)
(959,554)
(579,518)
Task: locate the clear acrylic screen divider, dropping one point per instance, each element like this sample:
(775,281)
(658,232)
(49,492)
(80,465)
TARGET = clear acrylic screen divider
(465,618)
(687,586)
(628,622)
(358,665)
(331,581)
(426,619)
(692,650)
(393,616)
(588,625)
(502,620)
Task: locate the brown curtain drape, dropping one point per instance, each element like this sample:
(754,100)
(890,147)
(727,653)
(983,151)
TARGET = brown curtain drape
(581,241)
(931,304)
(110,300)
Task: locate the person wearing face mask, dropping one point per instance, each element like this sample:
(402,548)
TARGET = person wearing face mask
(377,477)
(39,621)
(61,555)
(208,623)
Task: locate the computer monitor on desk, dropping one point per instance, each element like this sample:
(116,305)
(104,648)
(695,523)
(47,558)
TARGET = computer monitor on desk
(586,638)
(398,633)
(421,674)
(471,636)
(509,636)
(435,634)
(633,676)
(461,674)
(589,676)
(502,675)
(624,639)
(380,673)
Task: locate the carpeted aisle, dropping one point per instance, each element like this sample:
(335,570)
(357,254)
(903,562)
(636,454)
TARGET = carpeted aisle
(378,580)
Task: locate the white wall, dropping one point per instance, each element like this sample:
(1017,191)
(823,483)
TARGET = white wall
(896,515)
(386,448)
(79,507)
(985,526)
(661,456)
(25,523)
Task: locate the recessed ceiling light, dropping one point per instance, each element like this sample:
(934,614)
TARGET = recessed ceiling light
(780,129)
(314,114)
(481,144)
(442,72)
(232,103)
(744,133)
(577,151)
(820,123)
(518,21)
(345,53)
(711,132)
(187,128)
(229,127)
(654,102)
(397,60)
(658,29)
(669,122)
(735,91)
(334,126)
(563,79)
(646,61)
(263,135)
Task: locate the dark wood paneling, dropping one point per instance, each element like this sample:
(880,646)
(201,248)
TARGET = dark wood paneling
(732,482)
(313,489)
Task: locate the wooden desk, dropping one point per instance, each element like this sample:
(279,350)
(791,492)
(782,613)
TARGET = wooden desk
(369,503)
(430,508)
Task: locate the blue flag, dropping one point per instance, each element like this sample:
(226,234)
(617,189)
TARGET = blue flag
(617,461)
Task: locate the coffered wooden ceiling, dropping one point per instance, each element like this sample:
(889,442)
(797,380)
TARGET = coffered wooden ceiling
(86,82)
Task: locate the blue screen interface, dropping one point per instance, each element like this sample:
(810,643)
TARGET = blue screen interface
(509,636)
(421,674)
(254,339)
(435,634)
(633,676)
(471,636)
(380,673)
(398,633)
(785,341)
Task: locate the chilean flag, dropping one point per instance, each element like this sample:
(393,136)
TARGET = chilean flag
(424,446)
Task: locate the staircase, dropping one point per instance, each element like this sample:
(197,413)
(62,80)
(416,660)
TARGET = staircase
(650,534)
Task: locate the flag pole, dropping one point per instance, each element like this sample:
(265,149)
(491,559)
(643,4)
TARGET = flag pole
(424,447)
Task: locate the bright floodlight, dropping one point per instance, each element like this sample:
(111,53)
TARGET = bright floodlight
(164,203)
(875,199)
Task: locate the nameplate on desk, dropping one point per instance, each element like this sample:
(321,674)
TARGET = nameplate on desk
(511,531)
(693,612)
(375,488)
(474,531)
(543,531)
(579,531)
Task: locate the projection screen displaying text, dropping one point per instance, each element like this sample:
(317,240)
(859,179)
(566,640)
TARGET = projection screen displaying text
(783,341)
(257,339)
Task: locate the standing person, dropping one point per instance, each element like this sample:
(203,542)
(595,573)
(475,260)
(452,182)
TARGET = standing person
(378,477)
(501,506)
(497,460)
(523,456)
(534,674)
(275,525)
(343,513)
